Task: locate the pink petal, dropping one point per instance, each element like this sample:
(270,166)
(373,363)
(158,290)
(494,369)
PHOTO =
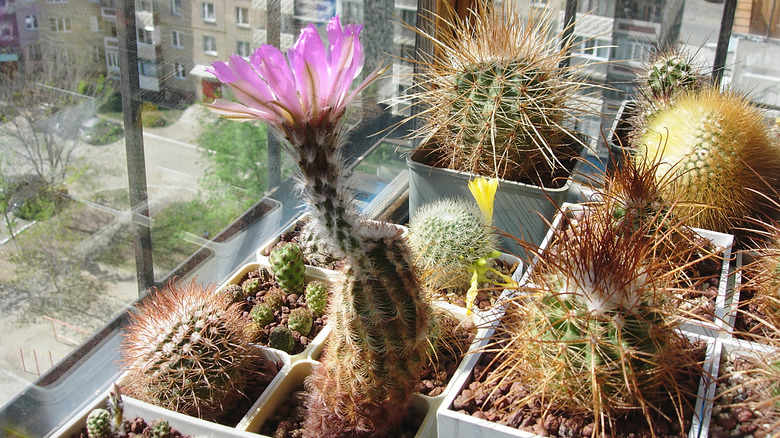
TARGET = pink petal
(232,110)
(269,62)
(222,71)
(309,63)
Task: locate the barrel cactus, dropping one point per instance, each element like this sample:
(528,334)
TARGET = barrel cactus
(281,338)
(718,157)
(99,424)
(500,101)
(595,330)
(287,265)
(670,72)
(300,320)
(446,237)
(185,350)
(317,297)
(262,314)
(274,299)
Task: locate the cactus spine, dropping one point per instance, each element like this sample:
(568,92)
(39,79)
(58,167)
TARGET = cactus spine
(317,297)
(99,424)
(185,350)
(719,154)
(447,237)
(500,99)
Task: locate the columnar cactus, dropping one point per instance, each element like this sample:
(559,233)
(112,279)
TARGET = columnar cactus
(500,99)
(380,320)
(287,265)
(185,350)
(717,156)
(317,297)
(446,237)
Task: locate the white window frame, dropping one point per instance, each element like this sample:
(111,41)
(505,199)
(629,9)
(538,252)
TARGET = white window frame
(112,60)
(208,12)
(147,68)
(179,71)
(176,42)
(210,45)
(247,48)
(144,5)
(60,24)
(175,7)
(31,22)
(242,16)
(144,36)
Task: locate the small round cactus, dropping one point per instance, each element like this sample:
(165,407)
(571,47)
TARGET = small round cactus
(317,297)
(446,237)
(300,320)
(161,429)
(235,292)
(262,314)
(716,156)
(275,299)
(250,286)
(672,72)
(252,331)
(99,424)
(185,350)
(281,338)
(287,265)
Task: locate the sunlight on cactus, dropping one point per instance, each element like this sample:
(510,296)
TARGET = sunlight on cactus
(380,319)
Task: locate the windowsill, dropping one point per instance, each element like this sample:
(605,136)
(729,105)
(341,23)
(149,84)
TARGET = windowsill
(242,25)
(210,20)
(210,53)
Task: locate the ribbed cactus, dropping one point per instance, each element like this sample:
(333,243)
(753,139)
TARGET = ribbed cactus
(300,320)
(274,299)
(281,338)
(375,353)
(716,157)
(99,424)
(317,297)
(185,350)
(262,314)
(672,72)
(287,265)
(594,335)
(161,429)
(446,237)
(499,100)
(236,292)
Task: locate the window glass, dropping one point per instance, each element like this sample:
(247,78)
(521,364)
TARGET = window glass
(208,12)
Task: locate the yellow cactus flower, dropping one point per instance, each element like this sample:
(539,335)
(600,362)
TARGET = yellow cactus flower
(484,191)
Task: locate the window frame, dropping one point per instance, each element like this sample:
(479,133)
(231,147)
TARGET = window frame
(208,12)
(34,22)
(210,48)
(242,16)
(176,39)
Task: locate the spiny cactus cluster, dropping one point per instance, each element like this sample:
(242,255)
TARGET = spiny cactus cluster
(281,338)
(99,424)
(672,72)
(593,327)
(501,101)
(716,157)
(447,237)
(317,297)
(185,350)
(288,267)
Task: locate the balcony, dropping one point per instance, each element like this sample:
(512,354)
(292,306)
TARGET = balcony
(108,13)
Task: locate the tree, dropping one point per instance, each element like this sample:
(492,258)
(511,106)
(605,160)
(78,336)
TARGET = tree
(236,153)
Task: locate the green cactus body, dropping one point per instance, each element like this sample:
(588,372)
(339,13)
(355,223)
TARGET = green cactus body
(161,429)
(186,351)
(281,338)
(262,314)
(317,297)
(235,292)
(249,287)
(446,237)
(300,320)
(719,156)
(99,424)
(671,73)
(288,267)
(275,299)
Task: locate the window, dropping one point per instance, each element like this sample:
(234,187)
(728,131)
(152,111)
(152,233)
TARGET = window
(593,47)
(7,31)
(209,45)
(207,13)
(57,1)
(145,36)
(143,5)
(94,24)
(147,68)
(179,70)
(60,24)
(31,22)
(242,16)
(176,39)
(242,48)
(112,60)
(175,7)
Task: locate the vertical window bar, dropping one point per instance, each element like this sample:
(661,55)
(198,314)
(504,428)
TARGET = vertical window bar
(568,30)
(726,23)
(134,144)
(274,25)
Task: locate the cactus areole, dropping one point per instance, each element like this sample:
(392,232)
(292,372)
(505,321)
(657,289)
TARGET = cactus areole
(377,348)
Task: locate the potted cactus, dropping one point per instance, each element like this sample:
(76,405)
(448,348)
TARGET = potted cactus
(498,102)
(589,346)
(378,313)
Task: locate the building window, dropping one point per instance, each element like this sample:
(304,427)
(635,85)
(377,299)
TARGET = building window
(242,49)
(242,16)
(147,68)
(145,36)
(143,5)
(33,52)
(61,24)
(595,48)
(176,39)
(31,22)
(209,45)
(57,1)
(179,71)
(207,13)
(94,24)
(175,7)
(112,60)
(633,50)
